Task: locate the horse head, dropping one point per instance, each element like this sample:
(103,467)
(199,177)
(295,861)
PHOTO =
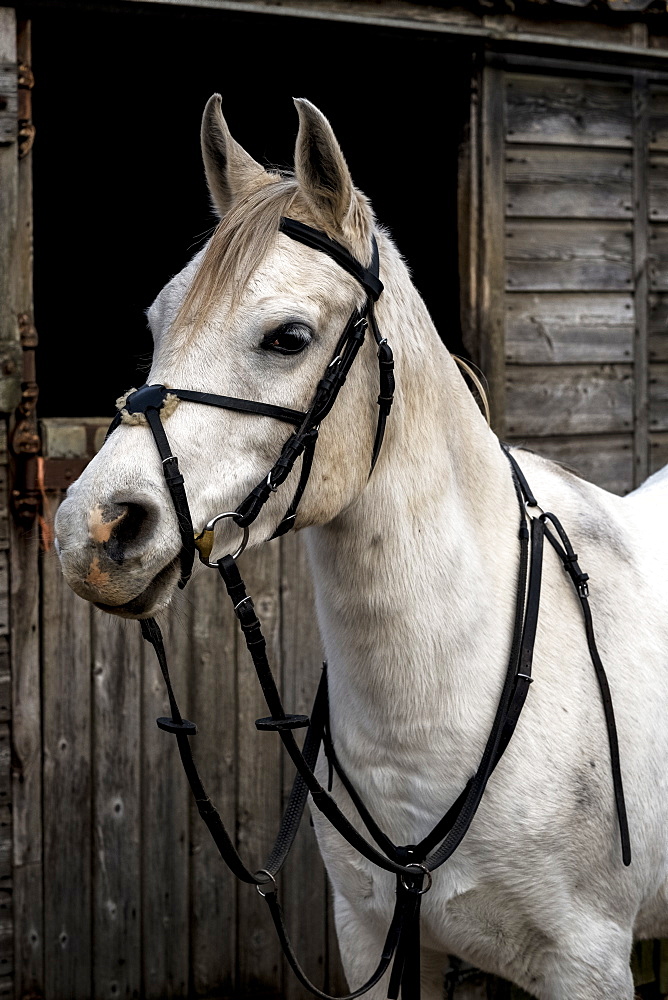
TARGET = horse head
(254,315)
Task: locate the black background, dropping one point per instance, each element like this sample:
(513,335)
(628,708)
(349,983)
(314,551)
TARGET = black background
(120,199)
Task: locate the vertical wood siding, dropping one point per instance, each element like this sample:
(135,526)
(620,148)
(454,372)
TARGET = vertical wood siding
(118,890)
(137,902)
(583,236)
(658,275)
(572,254)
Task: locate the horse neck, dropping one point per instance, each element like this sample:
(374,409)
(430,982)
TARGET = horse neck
(415,581)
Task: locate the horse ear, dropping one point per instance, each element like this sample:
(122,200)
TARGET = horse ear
(320,168)
(230,171)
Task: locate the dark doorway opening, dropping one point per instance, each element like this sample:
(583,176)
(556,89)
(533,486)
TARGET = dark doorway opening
(120,201)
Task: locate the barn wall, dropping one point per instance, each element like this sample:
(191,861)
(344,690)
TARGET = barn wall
(137,902)
(658,275)
(566,284)
(117,889)
(573,264)
(569,310)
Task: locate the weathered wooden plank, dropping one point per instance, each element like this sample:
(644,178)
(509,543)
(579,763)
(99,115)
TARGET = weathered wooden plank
(5,678)
(6,852)
(26,707)
(490,316)
(603,459)
(658,187)
(641,284)
(67,786)
(214,709)
(259,780)
(642,963)
(568,256)
(658,118)
(658,327)
(10,351)
(574,399)
(5,778)
(117,796)
(568,183)
(4,593)
(305,899)
(658,457)
(553,328)
(6,934)
(165,821)
(4,494)
(658,397)
(658,257)
(468,215)
(663,966)
(567,110)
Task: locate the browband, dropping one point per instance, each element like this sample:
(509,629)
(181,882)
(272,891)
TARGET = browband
(367,276)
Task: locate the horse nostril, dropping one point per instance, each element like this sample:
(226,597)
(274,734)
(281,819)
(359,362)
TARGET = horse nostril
(131,524)
(115,526)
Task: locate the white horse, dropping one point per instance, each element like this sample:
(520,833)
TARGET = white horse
(415,574)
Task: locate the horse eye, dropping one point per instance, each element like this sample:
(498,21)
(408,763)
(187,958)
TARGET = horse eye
(291,338)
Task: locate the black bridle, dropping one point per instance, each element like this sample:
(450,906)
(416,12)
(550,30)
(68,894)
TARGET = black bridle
(413,864)
(150,399)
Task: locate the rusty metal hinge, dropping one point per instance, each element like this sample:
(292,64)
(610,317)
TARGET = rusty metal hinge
(25,442)
(26,133)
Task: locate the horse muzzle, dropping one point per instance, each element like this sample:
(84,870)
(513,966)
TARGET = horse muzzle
(114,555)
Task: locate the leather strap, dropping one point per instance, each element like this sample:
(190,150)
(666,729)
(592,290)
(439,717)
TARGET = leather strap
(579,579)
(177,490)
(184,730)
(283,413)
(564,550)
(313,238)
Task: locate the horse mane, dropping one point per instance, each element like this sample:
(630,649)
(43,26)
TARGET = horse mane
(468,369)
(240,242)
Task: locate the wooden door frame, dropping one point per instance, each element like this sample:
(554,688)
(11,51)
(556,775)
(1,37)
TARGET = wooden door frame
(21,878)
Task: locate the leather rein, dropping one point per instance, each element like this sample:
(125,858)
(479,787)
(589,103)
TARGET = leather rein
(413,864)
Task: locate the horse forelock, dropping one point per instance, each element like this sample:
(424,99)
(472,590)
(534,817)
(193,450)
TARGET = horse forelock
(247,233)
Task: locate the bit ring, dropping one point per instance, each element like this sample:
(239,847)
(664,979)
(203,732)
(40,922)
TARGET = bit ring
(206,544)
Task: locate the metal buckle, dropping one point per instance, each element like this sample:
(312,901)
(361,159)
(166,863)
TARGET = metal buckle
(531,507)
(204,541)
(274,887)
(424,871)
